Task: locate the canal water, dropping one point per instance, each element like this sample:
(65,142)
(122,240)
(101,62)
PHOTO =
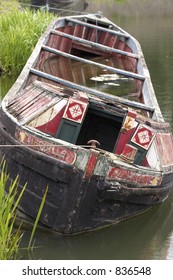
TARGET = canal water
(148,235)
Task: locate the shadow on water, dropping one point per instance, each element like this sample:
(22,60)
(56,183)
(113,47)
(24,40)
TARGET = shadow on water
(145,236)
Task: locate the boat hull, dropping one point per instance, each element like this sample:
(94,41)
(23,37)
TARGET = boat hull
(75,203)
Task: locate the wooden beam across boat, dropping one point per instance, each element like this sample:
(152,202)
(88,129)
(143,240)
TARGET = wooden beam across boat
(109,68)
(93,44)
(95,26)
(91,91)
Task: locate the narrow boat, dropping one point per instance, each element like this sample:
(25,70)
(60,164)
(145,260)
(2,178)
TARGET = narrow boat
(83,119)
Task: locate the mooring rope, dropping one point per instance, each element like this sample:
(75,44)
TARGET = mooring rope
(52,145)
(43,145)
(49,8)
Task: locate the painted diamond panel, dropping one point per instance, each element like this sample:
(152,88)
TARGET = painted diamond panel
(143,137)
(75,110)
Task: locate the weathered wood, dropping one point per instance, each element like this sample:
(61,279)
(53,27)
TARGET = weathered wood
(111,69)
(95,45)
(89,187)
(111,31)
(91,91)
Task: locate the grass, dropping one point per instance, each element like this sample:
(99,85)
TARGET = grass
(19,33)
(30,244)
(8,5)
(9,236)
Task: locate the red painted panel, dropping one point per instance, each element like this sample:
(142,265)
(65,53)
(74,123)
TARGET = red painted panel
(51,127)
(65,43)
(53,150)
(124,138)
(111,41)
(143,136)
(129,153)
(101,37)
(117,173)
(164,145)
(127,131)
(93,37)
(91,163)
(121,45)
(32,108)
(145,163)
(75,110)
(79,31)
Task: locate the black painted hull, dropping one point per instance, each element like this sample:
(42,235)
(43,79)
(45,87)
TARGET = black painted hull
(74,203)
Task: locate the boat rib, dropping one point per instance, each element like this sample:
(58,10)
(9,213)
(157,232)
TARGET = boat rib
(111,31)
(91,91)
(93,44)
(112,69)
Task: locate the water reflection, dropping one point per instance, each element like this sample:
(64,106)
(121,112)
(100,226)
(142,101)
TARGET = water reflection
(92,76)
(5,83)
(155,37)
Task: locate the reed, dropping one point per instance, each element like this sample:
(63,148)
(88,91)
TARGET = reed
(37,219)
(19,33)
(10,237)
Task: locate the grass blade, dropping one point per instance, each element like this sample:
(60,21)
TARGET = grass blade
(37,218)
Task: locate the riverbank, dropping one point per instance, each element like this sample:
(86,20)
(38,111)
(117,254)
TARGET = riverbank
(20,31)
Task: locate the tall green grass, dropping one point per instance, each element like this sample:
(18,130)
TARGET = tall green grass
(19,33)
(9,236)
(8,5)
(37,219)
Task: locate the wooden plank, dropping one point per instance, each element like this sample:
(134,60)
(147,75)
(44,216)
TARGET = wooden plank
(109,68)
(114,32)
(91,91)
(95,45)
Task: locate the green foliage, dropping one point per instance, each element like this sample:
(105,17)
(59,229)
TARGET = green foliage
(8,5)
(37,218)
(121,1)
(19,33)
(10,237)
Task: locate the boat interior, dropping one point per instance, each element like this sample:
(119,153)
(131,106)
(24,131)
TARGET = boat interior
(82,62)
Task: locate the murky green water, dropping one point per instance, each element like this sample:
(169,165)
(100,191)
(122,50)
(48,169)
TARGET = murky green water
(149,235)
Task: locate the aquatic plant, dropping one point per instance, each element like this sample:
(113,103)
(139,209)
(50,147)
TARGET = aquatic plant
(10,236)
(19,33)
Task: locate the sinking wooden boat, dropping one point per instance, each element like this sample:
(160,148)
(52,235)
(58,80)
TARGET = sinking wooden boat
(83,119)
